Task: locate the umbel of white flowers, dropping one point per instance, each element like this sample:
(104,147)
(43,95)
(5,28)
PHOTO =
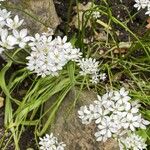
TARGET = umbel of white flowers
(50,142)
(115,116)
(142,4)
(132,142)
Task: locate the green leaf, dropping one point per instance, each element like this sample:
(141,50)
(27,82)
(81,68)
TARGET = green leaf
(143,134)
(8,107)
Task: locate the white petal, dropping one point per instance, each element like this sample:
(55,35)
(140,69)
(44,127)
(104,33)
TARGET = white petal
(16,19)
(109,133)
(136,124)
(16,33)
(11,40)
(129,116)
(132,127)
(23,33)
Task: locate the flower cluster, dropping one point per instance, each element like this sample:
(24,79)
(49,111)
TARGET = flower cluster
(115,115)
(96,14)
(133,141)
(89,67)
(142,4)
(10,35)
(49,56)
(49,142)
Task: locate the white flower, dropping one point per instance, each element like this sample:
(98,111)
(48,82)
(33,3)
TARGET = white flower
(101,114)
(49,142)
(72,54)
(98,101)
(48,56)
(2,24)
(61,41)
(142,4)
(87,114)
(131,121)
(114,114)
(116,108)
(4,14)
(88,66)
(21,37)
(14,23)
(102,76)
(95,78)
(106,129)
(134,142)
(107,99)
(35,40)
(121,96)
(7,41)
(46,40)
(96,14)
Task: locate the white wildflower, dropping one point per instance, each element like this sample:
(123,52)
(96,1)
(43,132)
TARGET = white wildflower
(21,37)
(48,56)
(4,14)
(95,78)
(101,114)
(121,96)
(72,54)
(114,114)
(49,142)
(131,121)
(7,41)
(96,14)
(134,142)
(142,4)
(107,99)
(98,101)
(35,40)
(103,76)
(88,66)
(87,114)
(105,129)
(14,23)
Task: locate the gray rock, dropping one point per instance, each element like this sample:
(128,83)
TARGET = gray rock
(69,129)
(38,14)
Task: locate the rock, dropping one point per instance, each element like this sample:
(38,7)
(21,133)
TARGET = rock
(38,14)
(69,129)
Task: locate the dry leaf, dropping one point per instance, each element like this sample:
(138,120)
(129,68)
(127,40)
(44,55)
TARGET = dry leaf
(148,26)
(1,102)
(120,50)
(78,17)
